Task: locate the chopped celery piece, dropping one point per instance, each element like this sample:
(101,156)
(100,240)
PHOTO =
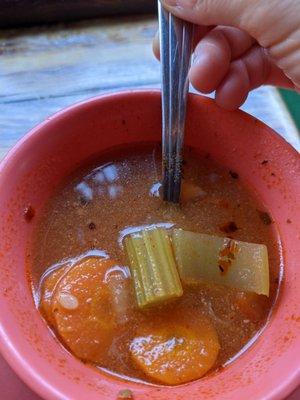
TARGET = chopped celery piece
(221,260)
(153,266)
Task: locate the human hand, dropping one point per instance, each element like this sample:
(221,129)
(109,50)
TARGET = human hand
(241,45)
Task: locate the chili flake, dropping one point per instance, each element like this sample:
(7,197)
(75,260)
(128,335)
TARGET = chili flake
(265,217)
(226,256)
(229,227)
(234,175)
(92,226)
(224,266)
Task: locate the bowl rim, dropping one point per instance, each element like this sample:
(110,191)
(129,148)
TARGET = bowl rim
(21,366)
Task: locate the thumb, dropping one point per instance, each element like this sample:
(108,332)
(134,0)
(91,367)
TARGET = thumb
(211,12)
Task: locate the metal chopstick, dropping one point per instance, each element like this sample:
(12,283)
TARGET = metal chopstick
(176,38)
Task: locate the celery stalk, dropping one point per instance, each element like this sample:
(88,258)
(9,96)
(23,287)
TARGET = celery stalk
(153,267)
(221,260)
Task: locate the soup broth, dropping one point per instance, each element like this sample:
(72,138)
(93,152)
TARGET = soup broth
(118,194)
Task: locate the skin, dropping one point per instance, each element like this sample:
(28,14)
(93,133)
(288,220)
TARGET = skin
(241,45)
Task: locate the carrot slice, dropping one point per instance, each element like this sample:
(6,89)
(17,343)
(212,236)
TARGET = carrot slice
(83,309)
(172,353)
(48,287)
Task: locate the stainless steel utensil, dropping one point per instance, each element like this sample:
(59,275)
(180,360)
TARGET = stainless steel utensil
(176,38)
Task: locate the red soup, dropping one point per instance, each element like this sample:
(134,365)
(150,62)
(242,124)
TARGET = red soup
(147,290)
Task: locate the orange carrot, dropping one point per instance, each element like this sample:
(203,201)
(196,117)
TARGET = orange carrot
(83,309)
(173,352)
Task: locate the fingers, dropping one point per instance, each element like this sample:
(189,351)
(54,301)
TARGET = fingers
(227,60)
(238,40)
(213,55)
(212,58)
(274,24)
(278,78)
(250,71)
(234,89)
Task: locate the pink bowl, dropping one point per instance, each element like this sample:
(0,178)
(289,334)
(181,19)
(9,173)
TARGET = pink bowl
(270,369)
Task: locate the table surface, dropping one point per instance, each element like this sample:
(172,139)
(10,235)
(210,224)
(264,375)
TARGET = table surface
(45,69)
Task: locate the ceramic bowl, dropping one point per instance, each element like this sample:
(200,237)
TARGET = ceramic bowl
(270,368)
